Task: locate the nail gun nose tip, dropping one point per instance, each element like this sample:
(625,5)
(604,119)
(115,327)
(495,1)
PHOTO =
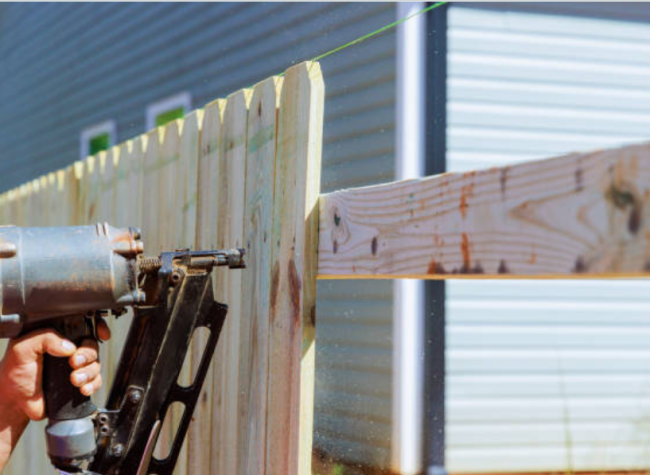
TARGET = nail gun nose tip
(135,232)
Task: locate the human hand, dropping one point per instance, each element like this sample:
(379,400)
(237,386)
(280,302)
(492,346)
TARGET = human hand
(21,369)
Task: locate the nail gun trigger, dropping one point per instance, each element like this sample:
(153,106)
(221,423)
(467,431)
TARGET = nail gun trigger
(91,326)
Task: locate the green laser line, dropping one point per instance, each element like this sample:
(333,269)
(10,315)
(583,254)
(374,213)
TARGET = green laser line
(377,32)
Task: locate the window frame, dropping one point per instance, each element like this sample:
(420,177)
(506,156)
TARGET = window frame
(182,99)
(107,127)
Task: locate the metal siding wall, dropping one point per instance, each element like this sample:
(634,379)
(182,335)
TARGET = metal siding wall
(64,67)
(546,375)
(354,330)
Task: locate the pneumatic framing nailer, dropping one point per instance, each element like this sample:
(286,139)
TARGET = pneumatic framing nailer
(65,278)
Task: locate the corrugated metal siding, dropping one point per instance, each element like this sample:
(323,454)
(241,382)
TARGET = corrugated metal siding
(354,329)
(64,67)
(60,74)
(546,375)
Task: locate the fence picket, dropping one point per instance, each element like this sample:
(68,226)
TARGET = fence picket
(230,228)
(294,261)
(254,317)
(200,431)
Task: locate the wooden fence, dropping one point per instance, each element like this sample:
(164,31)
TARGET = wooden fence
(245,172)
(242,172)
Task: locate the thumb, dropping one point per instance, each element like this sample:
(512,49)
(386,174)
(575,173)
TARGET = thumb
(50,342)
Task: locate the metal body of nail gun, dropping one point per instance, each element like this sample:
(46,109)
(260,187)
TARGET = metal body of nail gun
(65,278)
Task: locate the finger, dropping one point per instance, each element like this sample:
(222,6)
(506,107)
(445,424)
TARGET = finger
(91,388)
(85,375)
(44,341)
(87,353)
(103,332)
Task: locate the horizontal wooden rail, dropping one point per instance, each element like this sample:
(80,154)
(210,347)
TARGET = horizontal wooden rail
(581,215)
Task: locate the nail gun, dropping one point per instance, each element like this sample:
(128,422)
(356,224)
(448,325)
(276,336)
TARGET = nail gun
(66,278)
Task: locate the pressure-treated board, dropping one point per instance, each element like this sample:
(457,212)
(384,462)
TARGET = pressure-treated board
(255,311)
(230,229)
(135,189)
(294,263)
(150,199)
(581,215)
(170,186)
(106,179)
(183,218)
(91,188)
(68,183)
(200,431)
(124,207)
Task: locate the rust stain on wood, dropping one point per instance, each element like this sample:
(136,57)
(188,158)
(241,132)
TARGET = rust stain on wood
(464,249)
(275,283)
(465,193)
(435,267)
(432,266)
(294,290)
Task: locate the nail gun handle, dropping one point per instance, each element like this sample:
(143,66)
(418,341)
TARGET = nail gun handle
(64,401)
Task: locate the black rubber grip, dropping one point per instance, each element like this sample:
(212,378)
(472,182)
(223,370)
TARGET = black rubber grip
(63,401)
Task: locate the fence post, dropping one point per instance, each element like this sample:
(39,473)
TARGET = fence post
(294,264)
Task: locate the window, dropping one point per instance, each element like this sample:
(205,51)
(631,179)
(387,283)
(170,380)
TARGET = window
(97,138)
(168,109)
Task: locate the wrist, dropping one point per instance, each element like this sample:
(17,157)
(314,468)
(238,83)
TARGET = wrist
(11,411)
(13,422)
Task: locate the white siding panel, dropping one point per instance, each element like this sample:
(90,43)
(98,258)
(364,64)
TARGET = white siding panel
(546,375)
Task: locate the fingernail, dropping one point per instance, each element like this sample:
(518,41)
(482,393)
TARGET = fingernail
(81,378)
(80,360)
(67,345)
(87,389)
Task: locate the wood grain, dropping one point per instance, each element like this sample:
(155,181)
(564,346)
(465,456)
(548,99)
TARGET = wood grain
(135,189)
(230,230)
(121,215)
(150,199)
(200,431)
(184,219)
(106,180)
(91,186)
(580,216)
(255,314)
(294,261)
